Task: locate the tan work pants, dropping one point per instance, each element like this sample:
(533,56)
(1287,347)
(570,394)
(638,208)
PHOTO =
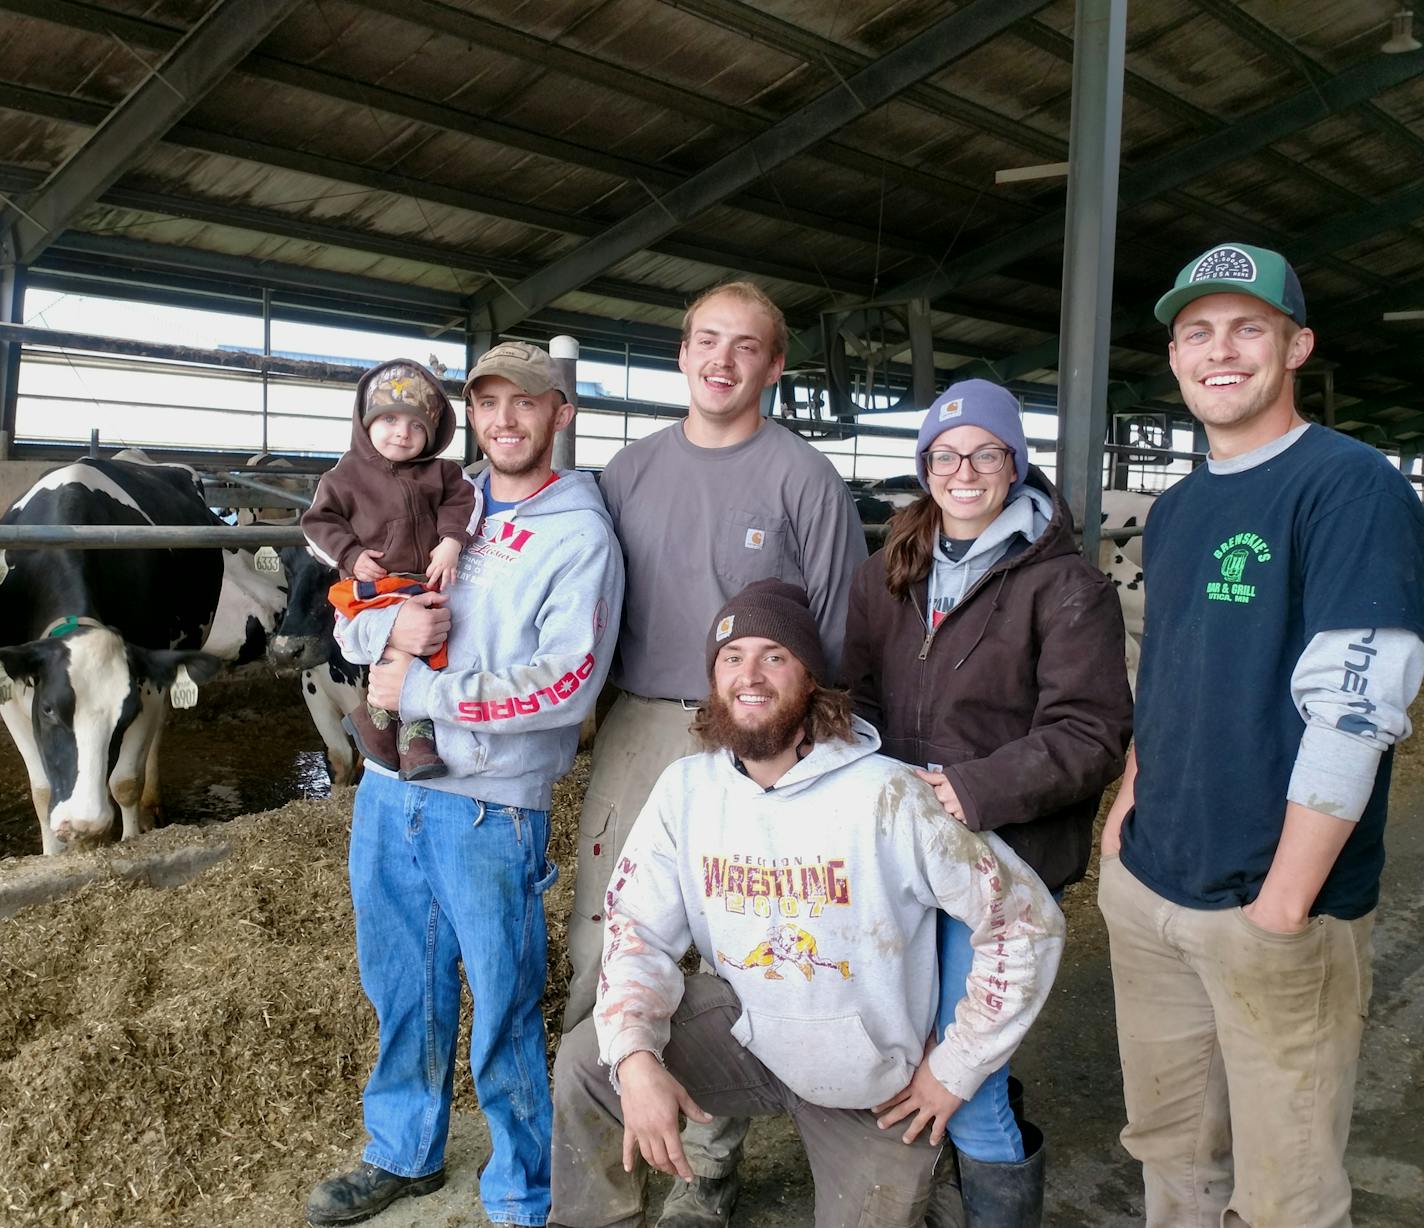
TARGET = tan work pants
(865,1177)
(639,738)
(1239,1048)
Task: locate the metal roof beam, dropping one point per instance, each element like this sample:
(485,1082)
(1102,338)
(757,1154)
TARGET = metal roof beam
(1257,130)
(75,15)
(53,106)
(1235,18)
(267,222)
(753,23)
(480,33)
(221,37)
(1395,211)
(926,53)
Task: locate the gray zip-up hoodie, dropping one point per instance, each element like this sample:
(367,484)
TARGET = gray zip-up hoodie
(1020,523)
(817,901)
(534,618)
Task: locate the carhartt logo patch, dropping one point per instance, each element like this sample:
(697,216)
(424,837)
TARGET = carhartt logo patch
(951,409)
(1225,264)
(756,539)
(724,628)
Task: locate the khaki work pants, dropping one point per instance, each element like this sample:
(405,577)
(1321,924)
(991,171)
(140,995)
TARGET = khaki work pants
(865,1177)
(1239,1048)
(639,738)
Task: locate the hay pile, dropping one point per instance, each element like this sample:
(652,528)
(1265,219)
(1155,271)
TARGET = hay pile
(197,1055)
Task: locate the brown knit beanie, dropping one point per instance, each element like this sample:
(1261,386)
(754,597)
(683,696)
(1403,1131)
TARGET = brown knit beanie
(772,610)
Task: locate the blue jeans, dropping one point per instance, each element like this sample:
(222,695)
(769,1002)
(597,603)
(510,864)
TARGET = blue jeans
(984,1127)
(437,879)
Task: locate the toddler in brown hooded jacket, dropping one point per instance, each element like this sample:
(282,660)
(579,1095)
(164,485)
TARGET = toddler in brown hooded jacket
(392,516)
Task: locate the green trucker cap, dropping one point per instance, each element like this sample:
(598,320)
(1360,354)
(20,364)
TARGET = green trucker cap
(1236,268)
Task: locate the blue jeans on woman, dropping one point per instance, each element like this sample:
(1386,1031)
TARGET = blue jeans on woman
(984,1127)
(436,880)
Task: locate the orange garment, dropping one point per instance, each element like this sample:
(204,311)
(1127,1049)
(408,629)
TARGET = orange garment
(350,597)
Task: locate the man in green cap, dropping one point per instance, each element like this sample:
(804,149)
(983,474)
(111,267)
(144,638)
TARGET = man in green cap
(1241,860)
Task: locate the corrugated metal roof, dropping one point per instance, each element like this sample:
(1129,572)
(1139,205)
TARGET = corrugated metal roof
(463,146)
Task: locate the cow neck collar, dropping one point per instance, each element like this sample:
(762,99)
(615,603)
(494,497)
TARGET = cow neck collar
(70,622)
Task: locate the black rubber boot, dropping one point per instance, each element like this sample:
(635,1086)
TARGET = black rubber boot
(946,1206)
(1007,1195)
(365,1191)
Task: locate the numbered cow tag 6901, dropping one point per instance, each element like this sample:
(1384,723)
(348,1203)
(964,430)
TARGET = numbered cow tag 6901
(184,691)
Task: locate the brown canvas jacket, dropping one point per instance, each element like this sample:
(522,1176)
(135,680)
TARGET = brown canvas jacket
(365,502)
(1020,693)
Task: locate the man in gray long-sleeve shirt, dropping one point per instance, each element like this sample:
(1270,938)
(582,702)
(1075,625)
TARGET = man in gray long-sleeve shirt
(702,508)
(1242,857)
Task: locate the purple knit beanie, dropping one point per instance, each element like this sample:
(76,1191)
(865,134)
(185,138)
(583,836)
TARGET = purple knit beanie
(976,402)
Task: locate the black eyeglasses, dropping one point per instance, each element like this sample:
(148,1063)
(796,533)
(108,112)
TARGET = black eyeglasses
(945,464)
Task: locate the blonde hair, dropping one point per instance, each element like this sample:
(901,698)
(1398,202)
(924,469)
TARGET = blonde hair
(748,292)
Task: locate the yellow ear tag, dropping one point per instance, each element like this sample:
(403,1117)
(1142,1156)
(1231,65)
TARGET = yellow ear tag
(4,567)
(267,559)
(184,691)
(7,688)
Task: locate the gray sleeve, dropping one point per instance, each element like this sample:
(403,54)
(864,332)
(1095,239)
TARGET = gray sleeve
(1353,688)
(832,545)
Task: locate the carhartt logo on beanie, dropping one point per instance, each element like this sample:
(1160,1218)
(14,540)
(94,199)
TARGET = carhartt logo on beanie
(771,610)
(975,402)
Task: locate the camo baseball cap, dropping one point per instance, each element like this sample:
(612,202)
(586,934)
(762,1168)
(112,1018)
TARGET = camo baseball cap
(1236,268)
(405,387)
(525,366)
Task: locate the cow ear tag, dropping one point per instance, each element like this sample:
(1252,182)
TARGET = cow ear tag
(7,688)
(267,559)
(184,691)
(4,567)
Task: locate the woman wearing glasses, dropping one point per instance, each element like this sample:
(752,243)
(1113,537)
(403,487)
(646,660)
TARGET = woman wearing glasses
(989,654)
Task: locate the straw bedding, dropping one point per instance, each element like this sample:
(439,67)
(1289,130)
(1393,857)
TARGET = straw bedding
(196,1055)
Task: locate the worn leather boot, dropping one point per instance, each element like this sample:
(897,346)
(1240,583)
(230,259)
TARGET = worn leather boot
(703,1202)
(363,1192)
(374,732)
(416,747)
(1005,1195)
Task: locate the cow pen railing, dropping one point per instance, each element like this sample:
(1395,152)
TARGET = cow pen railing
(147,536)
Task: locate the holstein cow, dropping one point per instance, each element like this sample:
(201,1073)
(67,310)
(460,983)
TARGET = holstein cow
(94,639)
(306,640)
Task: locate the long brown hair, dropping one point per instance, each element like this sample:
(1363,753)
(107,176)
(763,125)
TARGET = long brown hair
(909,550)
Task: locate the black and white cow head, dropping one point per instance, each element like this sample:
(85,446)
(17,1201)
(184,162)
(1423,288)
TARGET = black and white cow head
(85,691)
(305,638)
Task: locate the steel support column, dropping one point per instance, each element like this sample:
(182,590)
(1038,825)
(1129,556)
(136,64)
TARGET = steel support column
(12,311)
(1099,43)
